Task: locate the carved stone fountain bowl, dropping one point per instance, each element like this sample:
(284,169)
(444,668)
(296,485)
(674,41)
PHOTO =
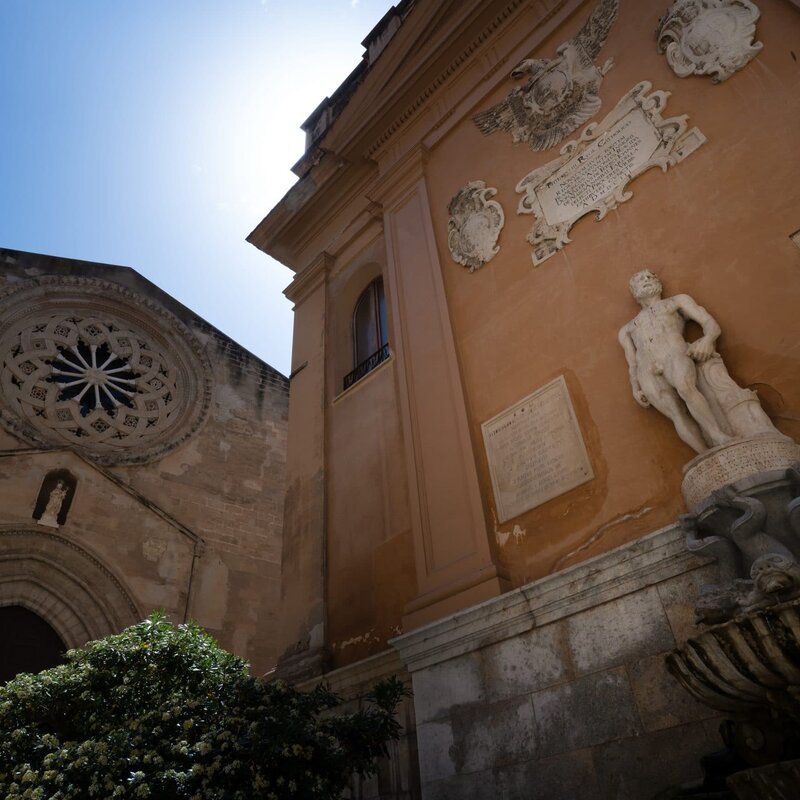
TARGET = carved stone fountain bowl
(748,663)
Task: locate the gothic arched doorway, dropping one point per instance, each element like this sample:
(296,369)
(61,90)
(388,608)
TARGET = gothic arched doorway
(63,585)
(27,643)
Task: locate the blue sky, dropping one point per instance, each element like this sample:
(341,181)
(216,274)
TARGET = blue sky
(157,133)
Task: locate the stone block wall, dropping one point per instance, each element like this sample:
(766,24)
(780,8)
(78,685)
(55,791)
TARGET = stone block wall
(559,690)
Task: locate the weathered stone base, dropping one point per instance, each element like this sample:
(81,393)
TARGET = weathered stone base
(558,690)
(303,666)
(711,471)
(772,782)
(398,775)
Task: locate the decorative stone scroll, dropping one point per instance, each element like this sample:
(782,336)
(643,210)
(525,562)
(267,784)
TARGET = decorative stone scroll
(709,37)
(561,93)
(594,170)
(474,226)
(535,451)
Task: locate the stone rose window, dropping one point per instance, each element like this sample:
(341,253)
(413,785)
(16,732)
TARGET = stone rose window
(96,366)
(95,377)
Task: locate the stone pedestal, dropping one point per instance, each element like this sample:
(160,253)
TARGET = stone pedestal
(744,499)
(741,459)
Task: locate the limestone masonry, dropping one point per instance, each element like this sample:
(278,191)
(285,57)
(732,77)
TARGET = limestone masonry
(142,459)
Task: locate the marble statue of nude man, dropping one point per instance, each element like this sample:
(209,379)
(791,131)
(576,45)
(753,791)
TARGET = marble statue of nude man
(663,365)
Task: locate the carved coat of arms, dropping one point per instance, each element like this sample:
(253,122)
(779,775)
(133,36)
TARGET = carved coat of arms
(474,226)
(709,37)
(560,93)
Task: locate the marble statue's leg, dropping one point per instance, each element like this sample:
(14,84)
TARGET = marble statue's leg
(681,373)
(663,398)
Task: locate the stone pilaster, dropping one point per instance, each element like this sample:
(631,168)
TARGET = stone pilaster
(453,560)
(303,615)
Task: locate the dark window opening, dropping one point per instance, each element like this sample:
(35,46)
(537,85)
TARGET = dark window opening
(95,377)
(370,332)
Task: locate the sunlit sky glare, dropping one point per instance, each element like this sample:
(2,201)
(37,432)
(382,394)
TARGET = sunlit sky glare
(156,134)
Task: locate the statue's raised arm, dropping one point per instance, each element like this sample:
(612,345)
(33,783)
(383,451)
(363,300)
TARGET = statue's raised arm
(703,348)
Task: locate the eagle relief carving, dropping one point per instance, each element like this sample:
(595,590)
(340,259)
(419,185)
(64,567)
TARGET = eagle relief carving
(560,93)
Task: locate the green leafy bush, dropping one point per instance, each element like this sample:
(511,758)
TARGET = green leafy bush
(163,712)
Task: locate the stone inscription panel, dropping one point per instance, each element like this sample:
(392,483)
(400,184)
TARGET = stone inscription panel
(596,172)
(535,451)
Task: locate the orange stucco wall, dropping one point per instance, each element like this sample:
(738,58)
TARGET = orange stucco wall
(715,226)
(401,543)
(369,555)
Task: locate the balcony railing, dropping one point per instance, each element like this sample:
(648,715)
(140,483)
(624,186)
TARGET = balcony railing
(367,365)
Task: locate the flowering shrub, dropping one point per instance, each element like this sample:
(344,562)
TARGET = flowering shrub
(163,712)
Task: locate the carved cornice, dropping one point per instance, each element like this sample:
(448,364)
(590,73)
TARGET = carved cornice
(297,221)
(309,279)
(400,178)
(648,561)
(497,22)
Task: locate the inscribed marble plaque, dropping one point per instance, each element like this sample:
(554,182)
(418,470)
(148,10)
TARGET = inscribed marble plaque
(535,451)
(594,170)
(574,190)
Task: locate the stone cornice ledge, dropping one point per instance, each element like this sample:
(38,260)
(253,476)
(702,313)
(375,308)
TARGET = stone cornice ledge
(357,679)
(309,279)
(652,559)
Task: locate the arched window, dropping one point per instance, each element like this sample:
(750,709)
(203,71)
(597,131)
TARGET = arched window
(370,333)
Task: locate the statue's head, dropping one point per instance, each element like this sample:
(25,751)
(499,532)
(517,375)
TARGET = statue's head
(645,284)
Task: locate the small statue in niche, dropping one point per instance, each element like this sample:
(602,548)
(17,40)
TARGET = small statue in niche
(55,498)
(687,382)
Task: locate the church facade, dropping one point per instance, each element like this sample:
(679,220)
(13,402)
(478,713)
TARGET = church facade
(142,465)
(493,445)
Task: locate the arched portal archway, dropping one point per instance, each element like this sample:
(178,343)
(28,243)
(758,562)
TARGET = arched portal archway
(59,581)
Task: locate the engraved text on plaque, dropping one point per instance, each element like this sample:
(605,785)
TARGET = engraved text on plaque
(535,450)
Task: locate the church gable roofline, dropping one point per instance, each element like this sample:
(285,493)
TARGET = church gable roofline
(21,265)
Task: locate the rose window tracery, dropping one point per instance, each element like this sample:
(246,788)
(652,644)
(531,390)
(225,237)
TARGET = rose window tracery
(94,376)
(119,377)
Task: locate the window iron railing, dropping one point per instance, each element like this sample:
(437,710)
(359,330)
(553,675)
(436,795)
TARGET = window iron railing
(367,365)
